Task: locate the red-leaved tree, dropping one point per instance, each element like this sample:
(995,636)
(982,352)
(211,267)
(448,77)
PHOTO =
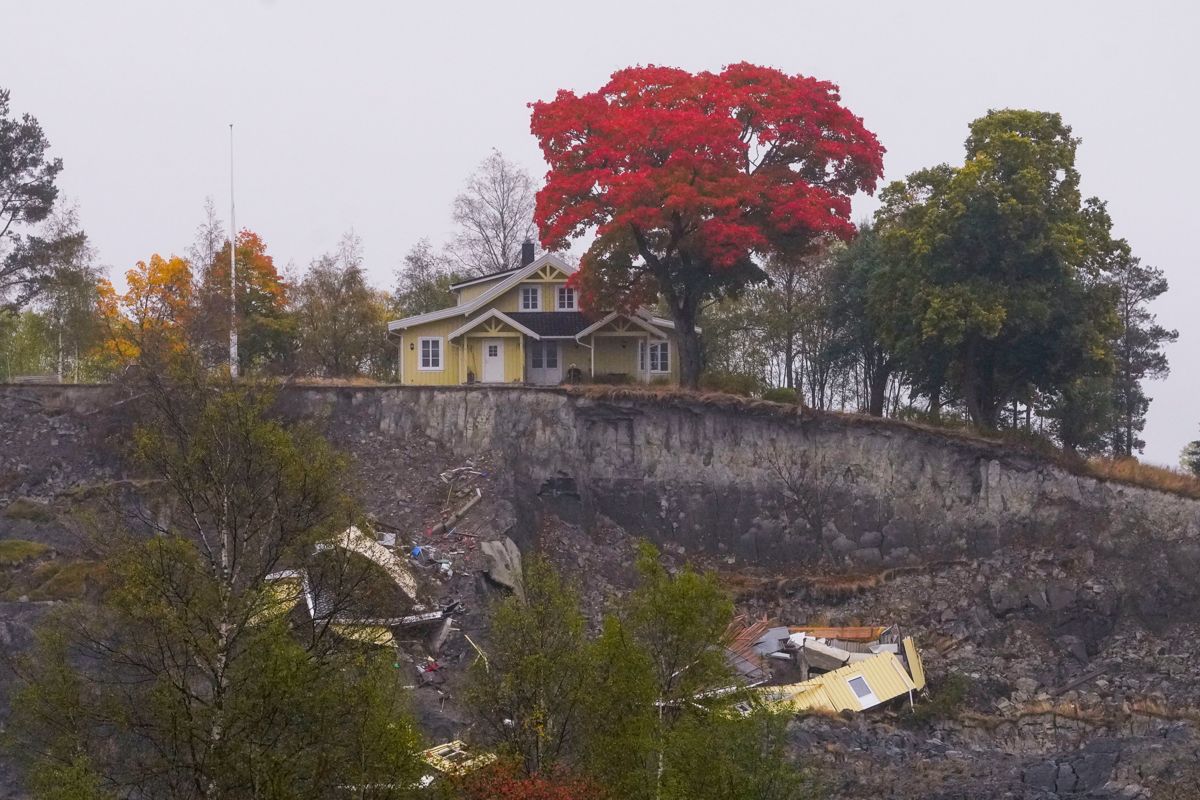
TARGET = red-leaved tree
(690,180)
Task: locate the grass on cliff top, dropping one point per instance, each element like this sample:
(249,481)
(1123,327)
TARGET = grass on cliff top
(55,580)
(17,551)
(29,510)
(1128,471)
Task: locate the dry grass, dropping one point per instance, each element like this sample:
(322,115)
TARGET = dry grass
(1125,471)
(1133,472)
(307,380)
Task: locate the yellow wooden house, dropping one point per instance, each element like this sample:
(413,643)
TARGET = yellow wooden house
(524,325)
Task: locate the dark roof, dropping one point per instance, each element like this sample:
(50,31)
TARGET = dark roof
(477,278)
(551,323)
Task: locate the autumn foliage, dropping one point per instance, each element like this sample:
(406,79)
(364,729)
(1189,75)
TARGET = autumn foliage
(506,781)
(150,317)
(685,178)
(167,310)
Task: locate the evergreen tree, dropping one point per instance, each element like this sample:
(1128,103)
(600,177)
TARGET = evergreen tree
(1137,347)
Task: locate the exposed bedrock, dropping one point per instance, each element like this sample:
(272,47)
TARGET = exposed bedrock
(752,482)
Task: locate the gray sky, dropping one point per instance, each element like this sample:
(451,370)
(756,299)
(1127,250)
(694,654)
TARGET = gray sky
(369,115)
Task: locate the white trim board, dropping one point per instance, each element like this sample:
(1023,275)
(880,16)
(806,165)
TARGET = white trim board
(491,294)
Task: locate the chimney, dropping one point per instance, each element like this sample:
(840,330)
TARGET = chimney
(526,253)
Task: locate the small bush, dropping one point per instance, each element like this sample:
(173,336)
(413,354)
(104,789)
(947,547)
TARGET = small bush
(731,383)
(15,551)
(946,701)
(56,580)
(30,510)
(781,394)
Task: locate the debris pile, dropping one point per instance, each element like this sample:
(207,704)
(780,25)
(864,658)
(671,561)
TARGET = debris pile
(856,668)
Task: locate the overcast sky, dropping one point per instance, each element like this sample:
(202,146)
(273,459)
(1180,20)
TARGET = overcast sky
(369,115)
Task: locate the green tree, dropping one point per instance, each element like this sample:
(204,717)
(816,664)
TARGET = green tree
(191,679)
(1137,346)
(994,286)
(1189,459)
(1081,414)
(27,195)
(661,651)
(340,319)
(25,345)
(529,689)
(743,758)
(855,269)
(423,283)
(69,298)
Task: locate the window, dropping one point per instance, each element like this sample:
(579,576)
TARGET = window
(566,298)
(430,355)
(493,351)
(862,691)
(543,355)
(660,357)
(531,298)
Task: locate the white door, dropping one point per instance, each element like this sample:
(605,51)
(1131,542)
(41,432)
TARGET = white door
(493,361)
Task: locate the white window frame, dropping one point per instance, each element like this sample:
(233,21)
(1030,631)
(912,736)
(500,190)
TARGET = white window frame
(664,360)
(869,700)
(536,293)
(441,354)
(539,355)
(565,292)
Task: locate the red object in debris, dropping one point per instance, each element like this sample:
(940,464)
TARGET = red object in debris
(432,666)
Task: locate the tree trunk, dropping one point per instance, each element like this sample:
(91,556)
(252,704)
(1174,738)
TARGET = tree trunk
(691,356)
(981,405)
(684,312)
(789,370)
(878,387)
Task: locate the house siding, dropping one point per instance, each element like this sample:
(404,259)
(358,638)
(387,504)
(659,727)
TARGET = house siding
(465,355)
(410,354)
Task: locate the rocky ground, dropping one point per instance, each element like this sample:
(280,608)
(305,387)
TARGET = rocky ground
(1044,681)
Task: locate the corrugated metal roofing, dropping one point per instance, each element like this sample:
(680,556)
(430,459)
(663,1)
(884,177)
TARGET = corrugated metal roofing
(884,676)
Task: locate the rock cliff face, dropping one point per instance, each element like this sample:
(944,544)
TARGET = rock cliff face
(758,484)
(770,487)
(1068,605)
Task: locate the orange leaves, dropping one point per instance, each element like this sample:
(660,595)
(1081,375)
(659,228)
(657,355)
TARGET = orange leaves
(151,315)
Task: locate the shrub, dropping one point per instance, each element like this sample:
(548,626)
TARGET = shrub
(29,510)
(781,394)
(731,383)
(15,551)
(946,701)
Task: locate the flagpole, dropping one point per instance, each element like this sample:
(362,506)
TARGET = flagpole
(233,336)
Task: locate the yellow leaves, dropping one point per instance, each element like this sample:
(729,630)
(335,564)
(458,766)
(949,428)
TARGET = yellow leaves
(152,313)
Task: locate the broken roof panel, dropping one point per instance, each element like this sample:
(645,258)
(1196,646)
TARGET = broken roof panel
(916,667)
(860,633)
(855,687)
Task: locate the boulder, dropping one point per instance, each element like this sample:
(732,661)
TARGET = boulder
(504,564)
